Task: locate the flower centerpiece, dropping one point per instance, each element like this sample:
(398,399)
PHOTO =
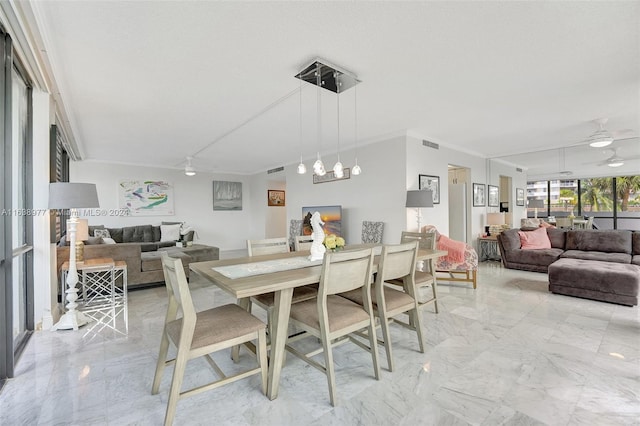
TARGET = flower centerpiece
(333,242)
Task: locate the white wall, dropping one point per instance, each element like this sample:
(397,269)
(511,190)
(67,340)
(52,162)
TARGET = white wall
(227,230)
(378,194)
(44,274)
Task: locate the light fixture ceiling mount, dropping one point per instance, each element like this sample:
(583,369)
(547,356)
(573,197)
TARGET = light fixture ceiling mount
(188,168)
(601,137)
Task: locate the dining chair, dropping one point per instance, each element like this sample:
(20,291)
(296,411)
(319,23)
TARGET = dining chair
(564,223)
(372,232)
(330,317)
(424,275)
(303,242)
(267,300)
(396,262)
(267,246)
(198,334)
(295,228)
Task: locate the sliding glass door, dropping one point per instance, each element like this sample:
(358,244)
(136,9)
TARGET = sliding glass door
(16,263)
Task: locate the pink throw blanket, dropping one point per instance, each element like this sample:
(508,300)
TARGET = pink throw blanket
(456,249)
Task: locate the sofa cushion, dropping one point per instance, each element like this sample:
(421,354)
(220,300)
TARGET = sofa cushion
(610,241)
(156,233)
(543,257)
(146,247)
(116,234)
(152,261)
(534,240)
(137,234)
(162,244)
(636,259)
(557,237)
(635,242)
(510,240)
(597,255)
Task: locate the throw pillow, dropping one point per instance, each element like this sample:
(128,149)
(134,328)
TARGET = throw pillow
(170,232)
(104,233)
(533,240)
(108,240)
(544,224)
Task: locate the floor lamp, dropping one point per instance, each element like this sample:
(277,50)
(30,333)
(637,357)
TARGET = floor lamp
(419,200)
(66,195)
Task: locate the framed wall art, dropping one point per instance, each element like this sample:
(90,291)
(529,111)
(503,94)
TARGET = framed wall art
(146,197)
(275,198)
(519,196)
(432,183)
(227,195)
(479,195)
(494,196)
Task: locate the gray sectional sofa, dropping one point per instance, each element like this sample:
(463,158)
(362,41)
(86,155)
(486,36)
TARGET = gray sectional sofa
(595,264)
(140,247)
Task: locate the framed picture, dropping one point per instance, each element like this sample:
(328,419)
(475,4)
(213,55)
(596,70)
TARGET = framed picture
(227,195)
(275,198)
(519,197)
(479,196)
(432,183)
(494,196)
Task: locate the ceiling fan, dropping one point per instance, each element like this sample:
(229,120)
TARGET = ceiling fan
(615,160)
(602,137)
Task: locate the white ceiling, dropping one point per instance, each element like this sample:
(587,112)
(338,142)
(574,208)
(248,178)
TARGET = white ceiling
(153,82)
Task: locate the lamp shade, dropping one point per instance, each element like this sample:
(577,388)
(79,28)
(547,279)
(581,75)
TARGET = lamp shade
(68,195)
(495,218)
(419,199)
(535,203)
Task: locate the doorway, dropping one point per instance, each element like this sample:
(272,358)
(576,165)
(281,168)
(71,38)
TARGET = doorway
(459,206)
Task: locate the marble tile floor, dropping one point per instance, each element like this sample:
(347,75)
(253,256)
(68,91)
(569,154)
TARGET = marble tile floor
(509,352)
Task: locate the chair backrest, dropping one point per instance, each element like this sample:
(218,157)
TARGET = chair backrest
(397,262)
(303,242)
(589,224)
(564,222)
(267,246)
(372,232)
(426,240)
(295,229)
(179,294)
(344,271)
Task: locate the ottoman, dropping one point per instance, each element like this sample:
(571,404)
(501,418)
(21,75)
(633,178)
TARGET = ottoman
(592,279)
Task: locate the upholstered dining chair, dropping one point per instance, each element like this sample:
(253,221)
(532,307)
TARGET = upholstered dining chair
(397,262)
(424,275)
(295,229)
(330,317)
(372,232)
(198,334)
(303,242)
(267,300)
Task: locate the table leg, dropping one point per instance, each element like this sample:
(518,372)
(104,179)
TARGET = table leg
(281,310)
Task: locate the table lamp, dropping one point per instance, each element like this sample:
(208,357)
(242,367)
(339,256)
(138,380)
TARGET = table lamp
(494,219)
(536,204)
(418,200)
(67,195)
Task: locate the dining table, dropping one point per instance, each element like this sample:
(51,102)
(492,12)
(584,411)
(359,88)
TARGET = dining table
(280,273)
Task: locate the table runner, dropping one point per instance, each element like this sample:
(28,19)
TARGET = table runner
(266,267)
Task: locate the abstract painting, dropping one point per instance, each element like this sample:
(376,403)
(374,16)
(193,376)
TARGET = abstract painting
(227,196)
(146,197)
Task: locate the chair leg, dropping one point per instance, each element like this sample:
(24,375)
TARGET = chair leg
(176,385)
(475,274)
(262,359)
(245,304)
(434,287)
(329,370)
(415,313)
(384,324)
(373,344)
(162,361)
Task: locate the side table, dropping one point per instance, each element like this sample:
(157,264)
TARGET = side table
(488,247)
(101,298)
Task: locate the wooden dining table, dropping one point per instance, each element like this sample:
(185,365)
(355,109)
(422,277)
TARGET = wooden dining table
(281,283)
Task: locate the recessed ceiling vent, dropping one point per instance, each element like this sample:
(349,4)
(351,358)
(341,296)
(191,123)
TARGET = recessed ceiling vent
(276,170)
(518,169)
(430,144)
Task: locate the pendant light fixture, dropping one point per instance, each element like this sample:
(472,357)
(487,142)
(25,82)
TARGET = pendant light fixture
(338,170)
(188,169)
(302,169)
(336,80)
(355,170)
